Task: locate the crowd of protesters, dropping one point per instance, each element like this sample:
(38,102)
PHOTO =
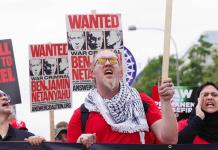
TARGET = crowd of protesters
(119,114)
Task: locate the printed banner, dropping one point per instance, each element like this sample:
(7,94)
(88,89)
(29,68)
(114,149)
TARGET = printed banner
(72,146)
(87,34)
(44,146)
(49,77)
(183,99)
(153,147)
(8,74)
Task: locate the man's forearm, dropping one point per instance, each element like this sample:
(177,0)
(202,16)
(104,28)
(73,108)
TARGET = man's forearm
(169,129)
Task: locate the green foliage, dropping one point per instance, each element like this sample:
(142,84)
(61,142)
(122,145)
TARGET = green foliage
(211,71)
(198,67)
(152,72)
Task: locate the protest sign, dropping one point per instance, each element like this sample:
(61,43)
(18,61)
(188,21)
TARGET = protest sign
(86,35)
(49,77)
(8,74)
(182,101)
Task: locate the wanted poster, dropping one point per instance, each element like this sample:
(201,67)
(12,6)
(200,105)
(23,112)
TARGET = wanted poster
(86,35)
(49,77)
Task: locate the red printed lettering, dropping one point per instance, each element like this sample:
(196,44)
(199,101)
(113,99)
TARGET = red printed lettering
(4,49)
(6,75)
(93,21)
(48,50)
(43,85)
(85,22)
(6,61)
(75,21)
(114,21)
(42,96)
(81,74)
(80,61)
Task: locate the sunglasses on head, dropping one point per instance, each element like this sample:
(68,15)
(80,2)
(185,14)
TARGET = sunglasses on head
(102,61)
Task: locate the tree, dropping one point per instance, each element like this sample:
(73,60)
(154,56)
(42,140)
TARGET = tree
(211,71)
(152,72)
(199,67)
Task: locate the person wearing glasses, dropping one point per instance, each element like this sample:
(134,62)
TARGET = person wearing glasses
(9,133)
(202,125)
(116,112)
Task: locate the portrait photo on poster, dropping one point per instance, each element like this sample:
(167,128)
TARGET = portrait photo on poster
(50,66)
(76,40)
(63,65)
(114,39)
(95,40)
(35,67)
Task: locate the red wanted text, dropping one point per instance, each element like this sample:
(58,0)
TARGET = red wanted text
(48,50)
(93,21)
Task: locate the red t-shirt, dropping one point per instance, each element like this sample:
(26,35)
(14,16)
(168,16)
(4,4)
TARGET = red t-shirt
(197,140)
(104,133)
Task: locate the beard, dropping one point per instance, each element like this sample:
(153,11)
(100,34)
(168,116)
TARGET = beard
(111,84)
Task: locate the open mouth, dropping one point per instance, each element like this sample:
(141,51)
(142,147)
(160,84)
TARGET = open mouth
(5,104)
(210,104)
(108,72)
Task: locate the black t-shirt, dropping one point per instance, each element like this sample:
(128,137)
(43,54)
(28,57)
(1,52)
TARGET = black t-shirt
(16,135)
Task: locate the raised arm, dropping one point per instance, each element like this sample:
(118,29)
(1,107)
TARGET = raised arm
(166,129)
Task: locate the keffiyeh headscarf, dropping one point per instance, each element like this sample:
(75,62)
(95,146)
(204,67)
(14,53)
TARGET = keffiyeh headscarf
(124,112)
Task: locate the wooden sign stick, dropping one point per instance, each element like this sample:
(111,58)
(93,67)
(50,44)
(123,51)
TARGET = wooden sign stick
(167,35)
(52,129)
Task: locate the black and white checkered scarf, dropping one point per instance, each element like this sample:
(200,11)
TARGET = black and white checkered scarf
(124,112)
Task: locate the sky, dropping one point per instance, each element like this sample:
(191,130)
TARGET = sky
(42,21)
